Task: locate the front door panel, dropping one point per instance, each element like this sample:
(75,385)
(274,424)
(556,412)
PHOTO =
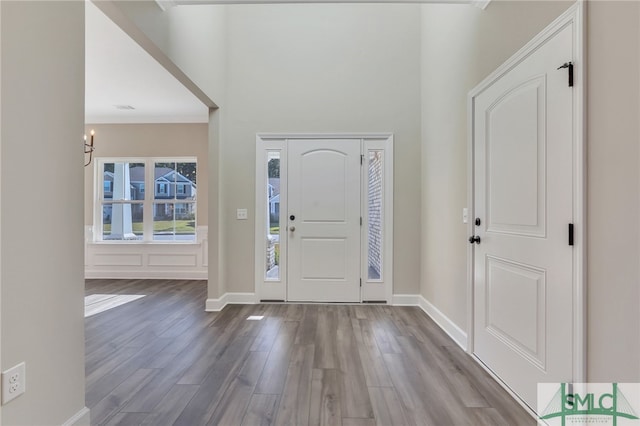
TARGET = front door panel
(324,220)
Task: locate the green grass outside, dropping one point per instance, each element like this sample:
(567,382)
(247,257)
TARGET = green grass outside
(274,230)
(182,227)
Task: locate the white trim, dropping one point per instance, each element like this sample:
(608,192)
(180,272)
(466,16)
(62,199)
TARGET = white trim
(271,136)
(81,418)
(456,333)
(216,305)
(574,15)
(265,142)
(376,290)
(144,260)
(145,275)
(580,199)
(269,289)
(219,2)
(481,4)
(146,119)
(147,202)
(164,5)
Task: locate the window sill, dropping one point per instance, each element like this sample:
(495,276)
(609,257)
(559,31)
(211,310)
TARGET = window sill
(145,243)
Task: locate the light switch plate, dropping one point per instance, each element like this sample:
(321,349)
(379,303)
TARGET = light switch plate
(465,215)
(242,214)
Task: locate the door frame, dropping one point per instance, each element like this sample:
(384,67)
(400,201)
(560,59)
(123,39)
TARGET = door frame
(574,15)
(276,289)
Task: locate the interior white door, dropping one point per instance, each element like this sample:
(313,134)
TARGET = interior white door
(324,220)
(523,264)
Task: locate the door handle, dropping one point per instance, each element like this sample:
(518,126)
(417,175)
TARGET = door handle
(292,228)
(474,239)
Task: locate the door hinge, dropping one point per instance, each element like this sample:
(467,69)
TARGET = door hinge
(569,66)
(571,234)
(360,220)
(361,159)
(360,282)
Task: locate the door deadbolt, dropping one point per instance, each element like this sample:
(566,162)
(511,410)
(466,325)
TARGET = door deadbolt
(478,222)
(292,217)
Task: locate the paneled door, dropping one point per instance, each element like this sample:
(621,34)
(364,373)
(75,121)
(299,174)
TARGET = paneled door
(523,201)
(323,220)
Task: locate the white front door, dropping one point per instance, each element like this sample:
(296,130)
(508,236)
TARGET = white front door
(323,220)
(523,263)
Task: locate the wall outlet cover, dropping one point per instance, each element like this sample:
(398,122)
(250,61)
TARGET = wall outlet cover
(13,382)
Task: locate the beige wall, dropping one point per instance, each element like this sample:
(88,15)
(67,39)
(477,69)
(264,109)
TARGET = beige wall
(321,68)
(41,212)
(613,191)
(151,140)
(477,42)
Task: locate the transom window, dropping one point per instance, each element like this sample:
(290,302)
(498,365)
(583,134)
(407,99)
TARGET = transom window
(125,212)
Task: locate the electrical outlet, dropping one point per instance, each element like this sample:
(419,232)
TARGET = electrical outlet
(13,382)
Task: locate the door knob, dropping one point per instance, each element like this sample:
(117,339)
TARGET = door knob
(474,239)
(292,228)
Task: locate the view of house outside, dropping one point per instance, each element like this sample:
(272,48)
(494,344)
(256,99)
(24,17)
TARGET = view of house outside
(273,216)
(173,204)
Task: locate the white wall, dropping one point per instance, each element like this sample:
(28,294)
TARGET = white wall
(321,68)
(41,172)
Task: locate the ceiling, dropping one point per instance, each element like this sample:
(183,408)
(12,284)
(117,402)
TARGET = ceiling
(119,73)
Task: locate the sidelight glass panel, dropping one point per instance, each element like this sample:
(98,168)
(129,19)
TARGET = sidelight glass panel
(272,258)
(375,203)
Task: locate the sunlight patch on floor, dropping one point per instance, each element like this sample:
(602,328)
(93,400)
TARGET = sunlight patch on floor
(96,303)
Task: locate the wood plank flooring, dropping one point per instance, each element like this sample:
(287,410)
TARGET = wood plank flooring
(162,360)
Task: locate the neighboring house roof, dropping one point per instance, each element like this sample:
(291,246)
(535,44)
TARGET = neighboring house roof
(275,183)
(136,174)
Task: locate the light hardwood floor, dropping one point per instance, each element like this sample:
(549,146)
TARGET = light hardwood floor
(163,360)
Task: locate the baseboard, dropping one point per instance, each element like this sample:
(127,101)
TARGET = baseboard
(146,275)
(81,418)
(456,333)
(405,300)
(216,305)
(448,326)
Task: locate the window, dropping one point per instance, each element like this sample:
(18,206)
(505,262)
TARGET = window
(124,212)
(162,189)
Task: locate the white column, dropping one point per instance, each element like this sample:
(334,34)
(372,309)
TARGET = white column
(121,220)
